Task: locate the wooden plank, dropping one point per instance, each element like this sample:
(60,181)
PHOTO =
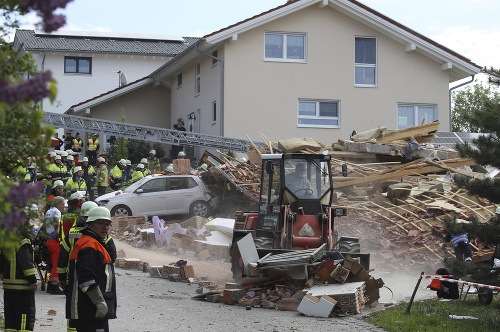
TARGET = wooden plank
(405,172)
(408,132)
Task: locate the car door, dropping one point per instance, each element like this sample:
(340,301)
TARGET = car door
(151,197)
(182,191)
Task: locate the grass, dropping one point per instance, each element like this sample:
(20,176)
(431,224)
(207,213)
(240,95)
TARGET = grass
(433,315)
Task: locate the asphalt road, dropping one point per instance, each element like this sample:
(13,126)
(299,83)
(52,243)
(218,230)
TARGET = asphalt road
(154,304)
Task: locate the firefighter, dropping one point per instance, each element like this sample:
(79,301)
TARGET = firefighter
(77,143)
(53,155)
(153,162)
(76,183)
(146,171)
(64,155)
(461,246)
(53,217)
(58,171)
(117,176)
(102,177)
(91,298)
(127,173)
(89,174)
(31,175)
(138,174)
(70,164)
(93,149)
(19,286)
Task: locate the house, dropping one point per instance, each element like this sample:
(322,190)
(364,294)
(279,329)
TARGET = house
(85,64)
(307,68)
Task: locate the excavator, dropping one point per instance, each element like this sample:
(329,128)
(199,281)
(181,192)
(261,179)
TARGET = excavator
(295,211)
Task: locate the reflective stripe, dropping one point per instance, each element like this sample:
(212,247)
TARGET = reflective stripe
(459,238)
(29,272)
(23,322)
(75,235)
(16,287)
(16,281)
(109,276)
(69,328)
(61,270)
(84,286)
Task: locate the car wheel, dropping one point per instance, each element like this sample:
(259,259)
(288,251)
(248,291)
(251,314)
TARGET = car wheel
(121,211)
(200,209)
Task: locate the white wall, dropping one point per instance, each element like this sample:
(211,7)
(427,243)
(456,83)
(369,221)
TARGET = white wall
(76,88)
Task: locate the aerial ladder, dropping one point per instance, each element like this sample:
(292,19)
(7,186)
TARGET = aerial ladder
(146,133)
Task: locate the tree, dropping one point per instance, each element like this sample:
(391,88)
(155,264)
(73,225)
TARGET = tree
(466,101)
(23,135)
(485,151)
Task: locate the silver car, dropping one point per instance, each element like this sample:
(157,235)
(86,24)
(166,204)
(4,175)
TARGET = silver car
(156,195)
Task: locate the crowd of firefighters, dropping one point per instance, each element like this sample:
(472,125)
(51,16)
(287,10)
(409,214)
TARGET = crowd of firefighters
(90,289)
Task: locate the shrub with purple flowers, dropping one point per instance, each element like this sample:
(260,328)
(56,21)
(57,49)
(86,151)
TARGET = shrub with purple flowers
(24,137)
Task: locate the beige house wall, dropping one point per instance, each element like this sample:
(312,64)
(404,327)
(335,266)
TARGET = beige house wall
(185,102)
(148,106)
(262,96)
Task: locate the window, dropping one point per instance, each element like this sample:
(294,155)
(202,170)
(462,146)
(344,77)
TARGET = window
(214,112)
(182,183)
(191,117)
(413,115)
(365,71)
(154,185)
(214,61)
(77,65)
(179,80)
(285,47)
(321,114)
(197,80)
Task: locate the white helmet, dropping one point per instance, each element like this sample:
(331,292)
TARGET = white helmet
(32,166)
(77,169)
(58,157)
(64,154)
(144,161)
(181,154)
(53,154)
(152,152)
(128,162)
(76,195)
(87,206)
(204,166)
(57,183)
(140,166)
(69,151)
(123,162)
(70,157)
(170,168)
(97,213)
(85,159)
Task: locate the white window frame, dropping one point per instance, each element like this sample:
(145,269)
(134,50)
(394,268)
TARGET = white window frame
(317,116)
(285,58)
(366,65)
(198,120)
(179,80)
(416,120)
(214,112)
(197,79)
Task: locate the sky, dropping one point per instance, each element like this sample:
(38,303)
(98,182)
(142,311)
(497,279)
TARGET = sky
(468,27)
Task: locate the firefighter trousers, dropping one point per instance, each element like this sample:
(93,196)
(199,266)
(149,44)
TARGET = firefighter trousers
(19,310)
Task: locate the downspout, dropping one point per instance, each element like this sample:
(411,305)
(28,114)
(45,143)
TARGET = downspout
(221,102)
(456,87)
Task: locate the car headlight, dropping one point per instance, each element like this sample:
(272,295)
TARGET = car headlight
(103,202)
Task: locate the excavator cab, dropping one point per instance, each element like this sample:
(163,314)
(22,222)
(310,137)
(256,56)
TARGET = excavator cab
(295,202)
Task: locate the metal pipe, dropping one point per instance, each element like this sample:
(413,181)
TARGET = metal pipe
(449,96)
(221,102)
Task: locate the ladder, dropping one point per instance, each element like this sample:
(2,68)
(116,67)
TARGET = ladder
(146,133)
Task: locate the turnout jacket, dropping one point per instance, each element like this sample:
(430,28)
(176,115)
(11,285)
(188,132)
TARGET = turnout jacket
(102,176)
(90,266)
(68,243)
(18,270)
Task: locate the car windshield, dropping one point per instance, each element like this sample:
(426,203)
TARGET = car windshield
(133,187)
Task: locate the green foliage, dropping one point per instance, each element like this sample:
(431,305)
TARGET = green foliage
(467,102)
(433,315)
(23,136)
(485,150)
